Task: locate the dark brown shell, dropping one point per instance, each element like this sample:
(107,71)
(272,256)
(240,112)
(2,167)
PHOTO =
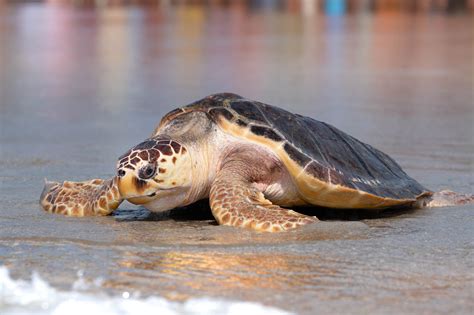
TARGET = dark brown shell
(321,150)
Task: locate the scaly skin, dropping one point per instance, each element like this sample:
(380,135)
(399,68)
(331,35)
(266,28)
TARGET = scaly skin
(235,202)
(93,197)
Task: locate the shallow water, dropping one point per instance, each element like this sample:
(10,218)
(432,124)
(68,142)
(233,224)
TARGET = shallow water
(80,85)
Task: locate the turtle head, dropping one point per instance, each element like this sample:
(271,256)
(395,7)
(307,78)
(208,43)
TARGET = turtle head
(154,170)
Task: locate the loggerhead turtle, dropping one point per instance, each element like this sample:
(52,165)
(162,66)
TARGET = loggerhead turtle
(251,160)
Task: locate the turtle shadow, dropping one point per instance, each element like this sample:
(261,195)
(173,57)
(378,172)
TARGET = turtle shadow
(200,211)
(331,214)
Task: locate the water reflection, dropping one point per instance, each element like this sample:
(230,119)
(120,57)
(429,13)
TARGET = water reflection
(116,51)
(225,274)
(304,7)
(73,65)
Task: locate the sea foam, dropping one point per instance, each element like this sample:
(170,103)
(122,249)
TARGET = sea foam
(39,297)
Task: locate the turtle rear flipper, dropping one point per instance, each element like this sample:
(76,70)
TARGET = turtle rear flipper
(93,197)
(448,198)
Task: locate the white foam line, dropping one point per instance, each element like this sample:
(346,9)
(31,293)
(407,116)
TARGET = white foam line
(39,297)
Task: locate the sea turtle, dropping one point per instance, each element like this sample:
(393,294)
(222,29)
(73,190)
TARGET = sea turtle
(252,160)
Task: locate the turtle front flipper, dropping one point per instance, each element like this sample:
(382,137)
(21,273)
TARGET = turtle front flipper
(236,201)
(93,197)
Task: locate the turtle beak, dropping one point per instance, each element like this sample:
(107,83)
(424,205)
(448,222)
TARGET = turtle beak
(126,185)
(135,190)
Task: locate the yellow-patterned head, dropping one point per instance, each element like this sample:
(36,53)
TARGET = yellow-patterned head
(154,169)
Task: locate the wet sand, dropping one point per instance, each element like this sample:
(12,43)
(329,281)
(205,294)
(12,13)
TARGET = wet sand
(79,86)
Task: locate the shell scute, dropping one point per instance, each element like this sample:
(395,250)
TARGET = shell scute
(317,171)
(241,123)
(266,132)
(217,112)
(248,110)
(296,155)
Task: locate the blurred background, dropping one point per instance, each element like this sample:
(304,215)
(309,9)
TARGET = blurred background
(92,62)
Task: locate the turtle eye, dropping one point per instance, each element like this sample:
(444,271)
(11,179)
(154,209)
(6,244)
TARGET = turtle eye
(147,171)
